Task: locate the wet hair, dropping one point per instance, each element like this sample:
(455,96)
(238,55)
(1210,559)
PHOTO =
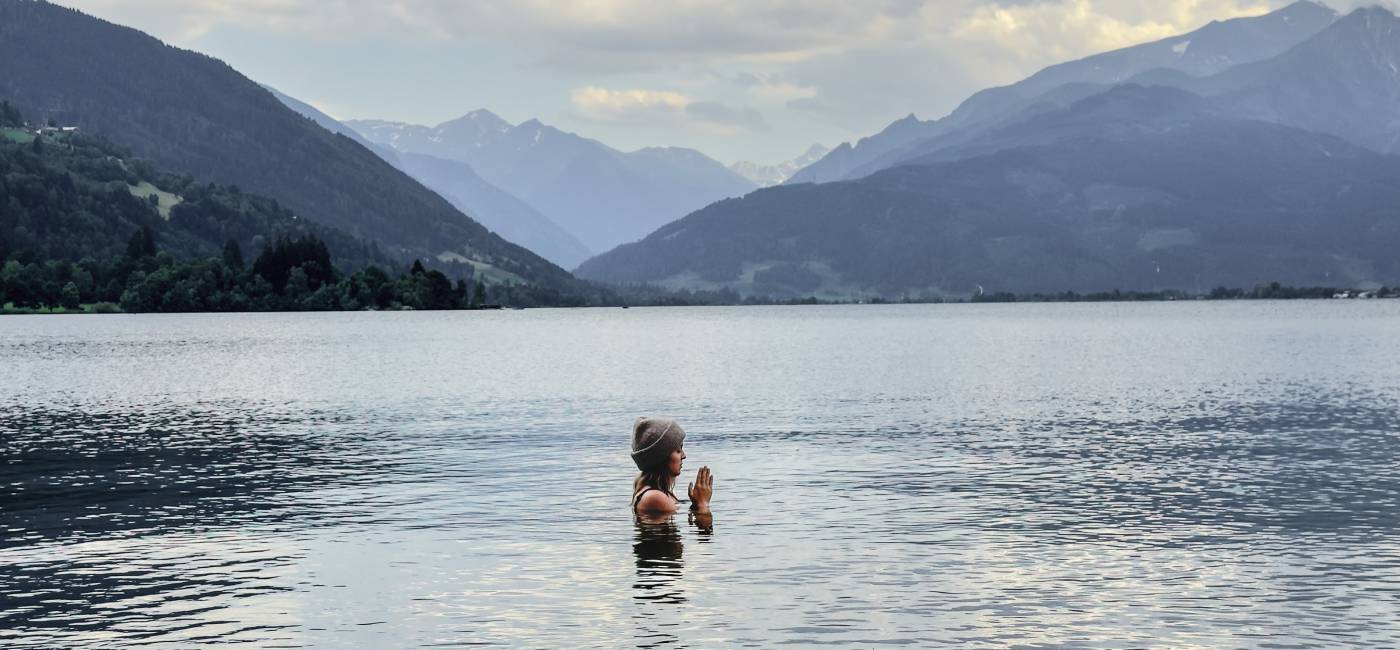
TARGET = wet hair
(656,478)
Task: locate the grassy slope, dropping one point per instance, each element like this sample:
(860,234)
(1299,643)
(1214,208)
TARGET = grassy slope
(17,135)
(167,200)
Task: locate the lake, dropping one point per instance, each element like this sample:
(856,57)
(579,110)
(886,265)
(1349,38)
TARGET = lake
(1191,474)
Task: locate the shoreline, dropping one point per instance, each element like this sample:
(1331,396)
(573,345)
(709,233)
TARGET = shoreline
(1350,295)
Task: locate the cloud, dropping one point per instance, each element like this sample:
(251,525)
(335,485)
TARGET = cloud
(727,117)
(746,80)
(661,108)
(940,55)
(605,105)
(834,68)
(1069,29)
(688,26)
(184,21)
(863,90)
(1346,6)
(627,36)
(770,88)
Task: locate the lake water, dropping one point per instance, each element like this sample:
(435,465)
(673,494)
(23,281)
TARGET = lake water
(1086,475)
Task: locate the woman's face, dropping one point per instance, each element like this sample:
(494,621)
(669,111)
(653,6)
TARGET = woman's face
(677,459)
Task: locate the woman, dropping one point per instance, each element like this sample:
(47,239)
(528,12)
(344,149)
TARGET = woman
(657,451)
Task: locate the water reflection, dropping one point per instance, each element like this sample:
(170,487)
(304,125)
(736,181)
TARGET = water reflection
(658,548)
(658,589)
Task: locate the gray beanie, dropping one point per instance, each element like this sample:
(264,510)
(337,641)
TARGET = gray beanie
(653,440)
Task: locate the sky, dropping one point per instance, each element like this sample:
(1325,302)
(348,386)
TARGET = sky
(757,80)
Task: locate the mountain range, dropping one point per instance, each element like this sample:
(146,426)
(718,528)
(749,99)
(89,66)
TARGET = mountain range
(1210,49)
(1248,151)
(1326,84)
(601,196)
(457,182)
(1272,169)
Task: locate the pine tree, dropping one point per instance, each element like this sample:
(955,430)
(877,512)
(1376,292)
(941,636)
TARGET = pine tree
(479,296)
(142,244)
(233,254)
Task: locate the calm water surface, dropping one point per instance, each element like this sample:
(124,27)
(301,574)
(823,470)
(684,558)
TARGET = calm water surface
(1166,475)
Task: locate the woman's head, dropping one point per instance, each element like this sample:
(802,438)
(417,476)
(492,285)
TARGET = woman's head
(657,445)
(657,449)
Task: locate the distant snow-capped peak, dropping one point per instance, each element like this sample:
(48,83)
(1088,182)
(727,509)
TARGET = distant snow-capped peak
(770,175)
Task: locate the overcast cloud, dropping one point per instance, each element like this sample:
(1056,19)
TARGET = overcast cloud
(738,79)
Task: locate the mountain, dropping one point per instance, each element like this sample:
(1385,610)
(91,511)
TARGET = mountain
(602,196)
(331,124)
(1133,188)
(495,208)
(455,181)
(947,144)
(444,141)
(191,112)
(1208,50)
(1345,80)
(770,175)
(315,115)
(845,158)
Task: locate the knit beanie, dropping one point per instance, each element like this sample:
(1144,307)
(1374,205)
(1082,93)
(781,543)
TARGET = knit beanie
(653,440)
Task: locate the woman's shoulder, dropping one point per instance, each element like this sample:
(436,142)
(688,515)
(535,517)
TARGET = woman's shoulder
(654,500)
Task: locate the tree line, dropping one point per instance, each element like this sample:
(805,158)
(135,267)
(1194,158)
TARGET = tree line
(1261,291)
(291,274)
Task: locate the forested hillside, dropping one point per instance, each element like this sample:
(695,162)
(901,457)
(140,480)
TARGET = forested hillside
(84,222)
(69,196)
(193,113)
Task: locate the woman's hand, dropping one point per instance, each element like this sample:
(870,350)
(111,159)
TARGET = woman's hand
(701,490)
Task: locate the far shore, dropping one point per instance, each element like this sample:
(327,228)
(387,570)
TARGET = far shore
(1264,292)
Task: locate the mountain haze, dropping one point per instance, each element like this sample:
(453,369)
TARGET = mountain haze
(455,181)
(495,208)
(1210,49)
(1343,80)
(601,196)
